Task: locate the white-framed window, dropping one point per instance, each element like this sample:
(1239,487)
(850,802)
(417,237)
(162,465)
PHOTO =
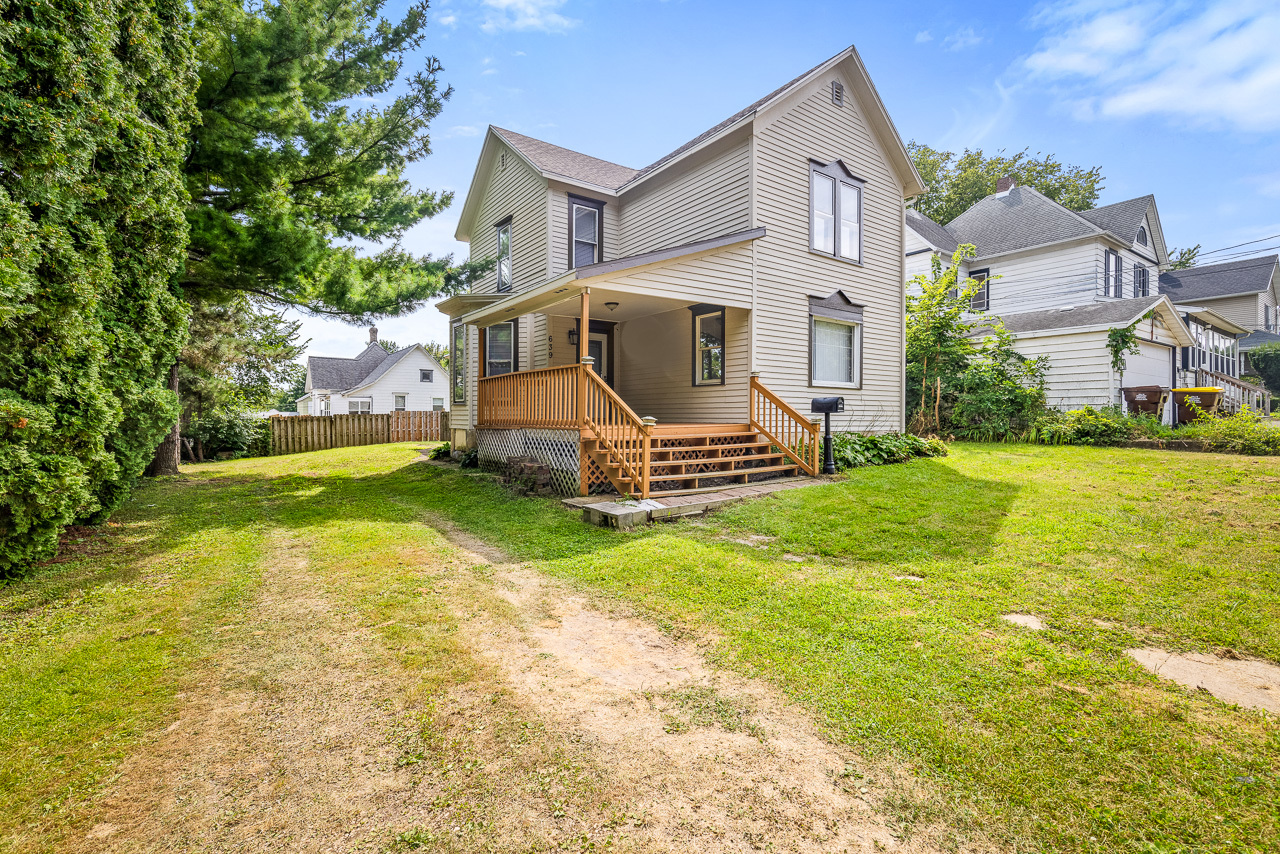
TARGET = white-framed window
(835,212)
(585,243)
(359,405)
(500,349)
(1112,274)
(504,255)
(400,401)
(835,341)
(458,363)
(426,375)
(324,406)
(437,404)
(708,345)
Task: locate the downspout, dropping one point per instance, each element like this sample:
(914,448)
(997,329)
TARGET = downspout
(754,222)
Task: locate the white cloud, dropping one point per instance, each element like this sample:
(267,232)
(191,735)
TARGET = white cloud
(962,39)
(447,20)
(1210,64)
(489,71)
(462,130)
(541,15)
(923,36)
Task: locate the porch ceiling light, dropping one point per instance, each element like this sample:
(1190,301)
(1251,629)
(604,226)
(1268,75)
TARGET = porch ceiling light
(612,306)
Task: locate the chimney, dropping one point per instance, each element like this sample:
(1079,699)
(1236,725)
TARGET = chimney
(1005,184)
(373,333)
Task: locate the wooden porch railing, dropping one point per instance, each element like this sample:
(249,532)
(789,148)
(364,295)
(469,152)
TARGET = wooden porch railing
(546,397)
(619,432)
(792,433)
(1235,393)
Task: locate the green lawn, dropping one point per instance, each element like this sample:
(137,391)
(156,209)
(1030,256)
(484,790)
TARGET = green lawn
(888,630)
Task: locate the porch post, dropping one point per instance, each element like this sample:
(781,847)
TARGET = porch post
(482,360)
(584,331)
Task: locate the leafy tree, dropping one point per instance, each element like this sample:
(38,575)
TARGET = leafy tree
(389,346)
(95,108)
(1182,259)
(959,380)
(439,352)
(296,378)
(1265,361)
(955,184)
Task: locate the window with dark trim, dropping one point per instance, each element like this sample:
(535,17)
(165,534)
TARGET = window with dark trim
(426,375)
(981,299)
(586,231)
(708,344)
(458,363)
(835,341)
(1141,281)
(500,349)
(504,255)
(1142,235)
(835,211)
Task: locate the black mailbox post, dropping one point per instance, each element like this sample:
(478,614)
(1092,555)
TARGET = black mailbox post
(825,406)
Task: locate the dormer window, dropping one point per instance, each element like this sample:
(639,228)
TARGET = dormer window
(504,255)
(585,243)
(1142,235)
(835,212)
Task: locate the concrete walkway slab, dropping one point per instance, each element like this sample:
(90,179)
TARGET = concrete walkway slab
(624,514)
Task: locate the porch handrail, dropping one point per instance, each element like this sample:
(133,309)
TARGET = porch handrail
(619,431)
(543,397)
(792,433)
(1235,391)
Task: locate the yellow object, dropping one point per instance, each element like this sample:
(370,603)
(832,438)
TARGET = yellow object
(1200,390)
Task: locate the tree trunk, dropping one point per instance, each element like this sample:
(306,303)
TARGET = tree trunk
(167,455)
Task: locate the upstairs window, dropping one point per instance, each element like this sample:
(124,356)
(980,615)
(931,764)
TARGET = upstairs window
(585,245)
(981,299)
(1142,235)
(458,363)
(426,375)
(504,255)
(708,344)
(835,212)
(1141,281)
(1112,274)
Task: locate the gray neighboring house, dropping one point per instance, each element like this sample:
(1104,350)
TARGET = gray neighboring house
(375,381)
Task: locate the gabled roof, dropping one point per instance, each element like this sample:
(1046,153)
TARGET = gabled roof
(1121,312)
(935,235)
(1211,281)
(578,167)
(1121,219)
(1256,339)
(574,167)
(337,374)
(1019,219)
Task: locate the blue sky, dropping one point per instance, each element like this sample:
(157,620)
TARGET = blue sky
(1177,99)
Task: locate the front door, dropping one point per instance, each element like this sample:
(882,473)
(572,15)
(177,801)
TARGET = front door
(598,349)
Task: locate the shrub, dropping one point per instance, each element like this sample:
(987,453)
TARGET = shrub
(441,452)
(231,433)
(1245,432)
(853,450)
(1088,426)
(470,459)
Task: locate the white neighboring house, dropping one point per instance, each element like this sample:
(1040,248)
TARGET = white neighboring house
(1061,280)
(375,382)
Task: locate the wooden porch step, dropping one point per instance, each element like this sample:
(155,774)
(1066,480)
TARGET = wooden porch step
(683,430)
(708,447)
(711,475)
(734,463)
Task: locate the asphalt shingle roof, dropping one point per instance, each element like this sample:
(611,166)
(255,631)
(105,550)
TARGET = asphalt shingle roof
(1257,338)
(1121,219)
(570,164)
(1020,219)
(1121,311)
(1246,276)
(936,235)
(338,374)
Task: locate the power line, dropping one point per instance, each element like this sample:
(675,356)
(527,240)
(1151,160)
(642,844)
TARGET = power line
(1238,245)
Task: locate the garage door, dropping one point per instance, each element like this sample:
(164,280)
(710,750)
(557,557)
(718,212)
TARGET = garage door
(1151,365)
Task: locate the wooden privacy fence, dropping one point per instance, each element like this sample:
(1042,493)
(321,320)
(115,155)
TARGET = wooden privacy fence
(293,434)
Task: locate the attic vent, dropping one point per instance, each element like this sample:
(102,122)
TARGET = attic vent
(837,93)
(502,160)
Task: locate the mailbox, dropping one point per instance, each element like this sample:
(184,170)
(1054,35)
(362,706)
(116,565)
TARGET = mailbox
(826,405)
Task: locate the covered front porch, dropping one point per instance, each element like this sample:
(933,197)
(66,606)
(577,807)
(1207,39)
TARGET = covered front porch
(656,396)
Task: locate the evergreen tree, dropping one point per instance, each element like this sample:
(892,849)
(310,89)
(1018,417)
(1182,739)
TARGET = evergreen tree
(95,108)
(956,183)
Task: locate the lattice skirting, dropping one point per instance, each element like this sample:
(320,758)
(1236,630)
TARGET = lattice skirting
(556,449)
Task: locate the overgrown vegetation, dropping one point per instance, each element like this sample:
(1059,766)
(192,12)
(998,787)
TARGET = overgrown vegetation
(95,108)
(1265,361)
(854,450)
(964,377)
(1243,432)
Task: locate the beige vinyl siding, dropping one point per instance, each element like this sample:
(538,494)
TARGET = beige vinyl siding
(717,277)
(513,191)
(655,369)
(558,217)
(707,199)
(788,273)
(1245,311)
(1047,278)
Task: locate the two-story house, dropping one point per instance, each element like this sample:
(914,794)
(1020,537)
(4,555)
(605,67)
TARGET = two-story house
(1061,280)
(375,381)
(666,328)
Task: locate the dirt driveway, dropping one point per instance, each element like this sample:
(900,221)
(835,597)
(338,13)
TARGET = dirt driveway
(571,728)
